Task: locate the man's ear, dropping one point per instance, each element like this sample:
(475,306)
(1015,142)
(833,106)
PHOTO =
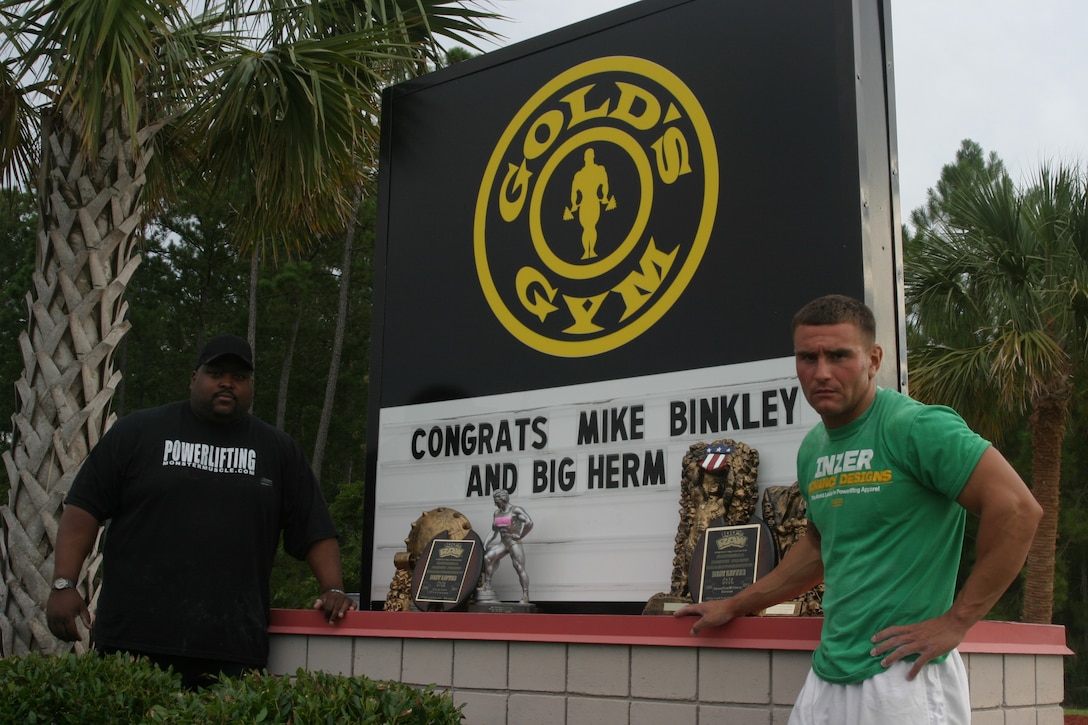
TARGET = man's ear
(876,356)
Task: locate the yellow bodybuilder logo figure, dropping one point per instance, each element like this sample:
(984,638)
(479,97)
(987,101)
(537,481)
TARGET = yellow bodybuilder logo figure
(596,207)
(588,193)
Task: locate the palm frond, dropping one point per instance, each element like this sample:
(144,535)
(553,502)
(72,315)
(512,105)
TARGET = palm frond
(18,130)
(278,97)
(316,103)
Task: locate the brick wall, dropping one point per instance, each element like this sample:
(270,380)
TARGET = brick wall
(503,680)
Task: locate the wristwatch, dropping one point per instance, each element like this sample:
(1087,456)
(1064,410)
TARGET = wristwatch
(61,583)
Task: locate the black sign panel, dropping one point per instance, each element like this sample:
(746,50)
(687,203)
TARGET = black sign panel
(728,135)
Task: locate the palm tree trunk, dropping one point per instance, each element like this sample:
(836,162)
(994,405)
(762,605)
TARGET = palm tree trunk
(1048,420)
(85,256)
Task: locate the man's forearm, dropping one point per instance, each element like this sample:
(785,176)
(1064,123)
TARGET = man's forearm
(1002,546)
(1008,516)
(76,535)
(323,558)
(800,570)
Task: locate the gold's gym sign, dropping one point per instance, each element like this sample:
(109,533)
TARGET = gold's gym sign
(596,207)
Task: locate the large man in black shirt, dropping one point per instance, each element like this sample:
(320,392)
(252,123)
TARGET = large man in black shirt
(197,494)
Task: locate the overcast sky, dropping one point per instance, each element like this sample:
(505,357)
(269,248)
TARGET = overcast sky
(1009,74)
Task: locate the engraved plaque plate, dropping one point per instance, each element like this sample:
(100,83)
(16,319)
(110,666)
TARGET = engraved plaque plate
(729,558)
(447,572)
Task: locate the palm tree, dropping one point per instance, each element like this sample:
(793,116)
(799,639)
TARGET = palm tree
(997,305)
(110,105)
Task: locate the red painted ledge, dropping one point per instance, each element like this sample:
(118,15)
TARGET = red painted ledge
(770,633)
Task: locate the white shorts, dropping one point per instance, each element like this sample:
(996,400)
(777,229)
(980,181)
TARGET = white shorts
(937,696)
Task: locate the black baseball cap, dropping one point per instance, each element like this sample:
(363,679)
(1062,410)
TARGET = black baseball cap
(223,345)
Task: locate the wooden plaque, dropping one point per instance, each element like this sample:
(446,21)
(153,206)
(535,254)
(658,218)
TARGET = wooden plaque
(447,572)
(729,558)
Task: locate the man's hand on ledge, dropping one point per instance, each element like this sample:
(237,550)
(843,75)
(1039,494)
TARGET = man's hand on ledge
(335,604)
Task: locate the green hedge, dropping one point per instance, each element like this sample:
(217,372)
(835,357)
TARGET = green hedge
(86,689)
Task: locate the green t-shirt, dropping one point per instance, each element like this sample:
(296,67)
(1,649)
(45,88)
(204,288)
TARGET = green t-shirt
(882,491)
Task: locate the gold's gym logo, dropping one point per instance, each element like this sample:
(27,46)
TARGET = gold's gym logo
(596,207)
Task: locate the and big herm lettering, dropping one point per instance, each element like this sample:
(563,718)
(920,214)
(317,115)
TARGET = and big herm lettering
(603,471)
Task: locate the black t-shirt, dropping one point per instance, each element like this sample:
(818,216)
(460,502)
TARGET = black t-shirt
(195,513)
